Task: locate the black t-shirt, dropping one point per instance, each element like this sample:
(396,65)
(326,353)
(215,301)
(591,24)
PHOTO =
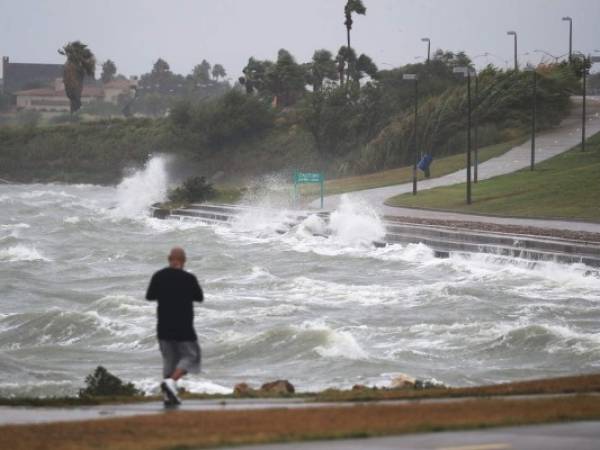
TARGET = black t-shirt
(175,290)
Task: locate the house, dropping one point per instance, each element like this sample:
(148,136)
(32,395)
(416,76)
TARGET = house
(54,99)
(117,88)
(23,76)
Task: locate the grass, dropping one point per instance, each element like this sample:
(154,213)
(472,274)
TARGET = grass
(186,430)
(401,175)
(566,186)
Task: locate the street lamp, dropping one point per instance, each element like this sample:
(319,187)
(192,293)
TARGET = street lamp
(533,114)
(514,34)
(426,39)
(567,18)
(467,72)
(556,58)
(413,77)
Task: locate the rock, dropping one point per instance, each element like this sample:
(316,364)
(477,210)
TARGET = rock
(242,390)
(403,381)
(278,387)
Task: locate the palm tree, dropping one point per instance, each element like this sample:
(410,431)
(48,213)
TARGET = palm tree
(352,6)
(322,66)
(109,69)
(80,62)
(218,71)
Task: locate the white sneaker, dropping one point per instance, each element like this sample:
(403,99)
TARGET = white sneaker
(169,388)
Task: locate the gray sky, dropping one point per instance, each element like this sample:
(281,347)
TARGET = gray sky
(134,33)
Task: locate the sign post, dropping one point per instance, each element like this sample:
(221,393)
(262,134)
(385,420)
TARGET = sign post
(308,178)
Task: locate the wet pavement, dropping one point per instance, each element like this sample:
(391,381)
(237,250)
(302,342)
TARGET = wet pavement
(564,436)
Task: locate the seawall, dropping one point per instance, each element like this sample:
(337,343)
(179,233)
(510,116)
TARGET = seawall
(444,240)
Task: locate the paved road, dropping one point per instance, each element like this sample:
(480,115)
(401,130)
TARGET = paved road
(548,144)
(564,436)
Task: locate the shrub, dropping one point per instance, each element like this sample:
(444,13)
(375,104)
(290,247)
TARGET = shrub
(194,189)
(102,383)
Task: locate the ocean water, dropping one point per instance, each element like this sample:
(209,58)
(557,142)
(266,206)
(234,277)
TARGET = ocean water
(75,261)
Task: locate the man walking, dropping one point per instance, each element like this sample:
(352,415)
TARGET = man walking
(176,290)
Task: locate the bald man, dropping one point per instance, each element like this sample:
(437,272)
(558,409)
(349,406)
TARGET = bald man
(176,290)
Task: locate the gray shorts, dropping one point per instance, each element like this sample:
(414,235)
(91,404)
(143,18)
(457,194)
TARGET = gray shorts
(183,355)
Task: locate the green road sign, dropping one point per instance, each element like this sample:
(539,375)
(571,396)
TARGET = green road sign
(306,178)
(301,177)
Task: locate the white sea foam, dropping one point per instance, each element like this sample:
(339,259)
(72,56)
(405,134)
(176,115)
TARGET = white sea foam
(338,343)
(18,253)
(151,386)
(72,220)
(137,192)
(356,223)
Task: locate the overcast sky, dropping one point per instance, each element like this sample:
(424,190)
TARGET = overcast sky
(134,33)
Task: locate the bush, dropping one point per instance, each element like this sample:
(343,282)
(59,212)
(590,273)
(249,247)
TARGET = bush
(227,119)
(194,189)
(102,383)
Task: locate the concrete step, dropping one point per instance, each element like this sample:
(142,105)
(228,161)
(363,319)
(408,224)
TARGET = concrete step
(443,240)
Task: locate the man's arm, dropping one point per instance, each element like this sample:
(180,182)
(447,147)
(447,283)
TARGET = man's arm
(152,291)
(197,294)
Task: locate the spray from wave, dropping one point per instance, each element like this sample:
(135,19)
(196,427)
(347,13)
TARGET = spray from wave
(137,192)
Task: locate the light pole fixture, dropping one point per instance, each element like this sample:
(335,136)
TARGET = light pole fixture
(555,58)
(533,70)
(415,78)
(467,72)
(514,34)
(568,19)
(426,39)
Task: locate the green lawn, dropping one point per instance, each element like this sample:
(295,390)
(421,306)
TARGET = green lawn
(566,186)
(401,175)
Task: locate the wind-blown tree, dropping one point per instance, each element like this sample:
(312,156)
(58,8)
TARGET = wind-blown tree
(109,69)
(356,7)
(254,78)
(286,79)
(352,6)
(80,63)
(218,71)
(344,59)
(320,68)
(161,71)
(364,66)
(202,71)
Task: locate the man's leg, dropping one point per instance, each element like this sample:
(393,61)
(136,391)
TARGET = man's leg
(170,354)
(178,373)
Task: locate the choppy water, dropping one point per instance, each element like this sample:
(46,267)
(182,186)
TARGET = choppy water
(75,262)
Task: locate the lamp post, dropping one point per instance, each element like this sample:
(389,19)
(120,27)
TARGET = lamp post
(466,72)
(476,133)
(568,19)
(533,115)
(514,34)
(413,77)
(583,110)
(426,39)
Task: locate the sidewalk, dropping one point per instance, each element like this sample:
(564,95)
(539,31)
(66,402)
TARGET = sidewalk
(548,144)
(576,435)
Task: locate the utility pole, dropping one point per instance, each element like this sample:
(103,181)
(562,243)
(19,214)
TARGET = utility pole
(426,39)
(514,34)
(533,115)
(412,76)
(467,71)
(570,20)
(584,112)
(476,133)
